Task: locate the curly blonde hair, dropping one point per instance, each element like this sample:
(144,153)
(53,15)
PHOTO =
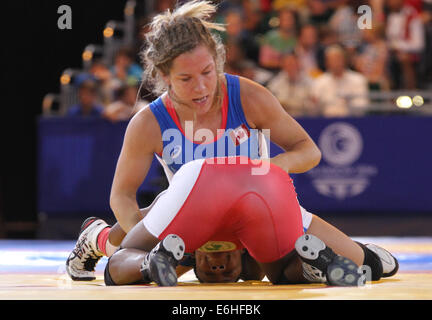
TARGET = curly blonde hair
(177,32)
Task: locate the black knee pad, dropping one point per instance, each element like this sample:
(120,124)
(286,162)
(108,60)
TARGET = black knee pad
(372,260)
(107,277)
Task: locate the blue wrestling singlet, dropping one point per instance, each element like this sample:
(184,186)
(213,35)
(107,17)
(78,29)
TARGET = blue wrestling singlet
(238,139)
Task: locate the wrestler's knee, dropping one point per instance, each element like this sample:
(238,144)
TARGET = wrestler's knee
(112,274)
(292,272)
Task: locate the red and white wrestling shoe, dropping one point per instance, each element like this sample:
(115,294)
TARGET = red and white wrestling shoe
(80,265)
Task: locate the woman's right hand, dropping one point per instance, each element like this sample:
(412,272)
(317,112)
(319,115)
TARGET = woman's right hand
(142,139)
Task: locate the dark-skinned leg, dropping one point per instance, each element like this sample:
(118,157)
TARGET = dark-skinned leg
(293,272)
(133,263)
(139,238)
(251,270)
(287,270)
(124,266)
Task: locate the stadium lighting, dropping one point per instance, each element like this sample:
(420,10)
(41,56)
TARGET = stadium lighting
(65,79)
(404,102)
(108,32)
(418,101)
(87,55)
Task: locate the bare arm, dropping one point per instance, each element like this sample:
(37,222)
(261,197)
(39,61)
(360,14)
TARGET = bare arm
(141,140)
(263,111)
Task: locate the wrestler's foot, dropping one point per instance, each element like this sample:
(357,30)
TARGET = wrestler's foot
(389,263)
(80,265)
(339,270)
(159,264)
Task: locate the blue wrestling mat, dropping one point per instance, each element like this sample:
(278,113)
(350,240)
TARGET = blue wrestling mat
(38,256)
(44,256)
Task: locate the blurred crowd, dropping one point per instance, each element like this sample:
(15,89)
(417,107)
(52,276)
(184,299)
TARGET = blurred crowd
(111,92)
(318,57)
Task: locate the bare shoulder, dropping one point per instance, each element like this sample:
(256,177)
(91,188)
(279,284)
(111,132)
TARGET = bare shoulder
(258,102)
(143,131)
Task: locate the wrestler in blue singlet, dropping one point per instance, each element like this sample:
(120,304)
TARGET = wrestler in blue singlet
(239,139)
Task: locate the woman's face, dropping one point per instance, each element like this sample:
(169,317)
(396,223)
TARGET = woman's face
(290,66)
(193,79)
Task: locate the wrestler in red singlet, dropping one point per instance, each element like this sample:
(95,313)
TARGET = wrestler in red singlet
(258,212)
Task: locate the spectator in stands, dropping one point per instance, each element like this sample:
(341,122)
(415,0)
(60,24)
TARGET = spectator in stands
(426,61)
(126,103)
(371,59)
(255,19)
(278,41)
(378,9)
(125,65)
(235,31)
(328,37)
(87,105)
(344,23)
(249,69)
(319,12)
(405,36)
(300,6)
(292,87)
(340,91)
(309,51)
(295,4)
(107,83)
(236,63)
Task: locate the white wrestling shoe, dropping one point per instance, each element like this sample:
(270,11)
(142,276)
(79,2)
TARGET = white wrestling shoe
(160,263)
(80,265)
(389,262)
(338,270)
